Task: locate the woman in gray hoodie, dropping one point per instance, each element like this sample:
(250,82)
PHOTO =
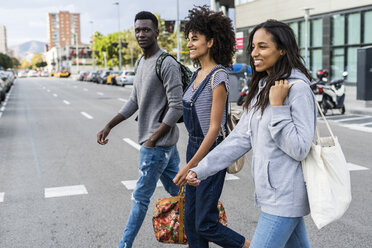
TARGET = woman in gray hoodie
(278,124)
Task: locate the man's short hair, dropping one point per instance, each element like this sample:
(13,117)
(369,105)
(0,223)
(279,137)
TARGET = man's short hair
(145,15)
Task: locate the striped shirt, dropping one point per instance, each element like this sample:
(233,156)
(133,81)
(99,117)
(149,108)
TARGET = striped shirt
(203,103)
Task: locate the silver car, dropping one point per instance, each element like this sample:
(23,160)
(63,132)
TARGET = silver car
(125,78)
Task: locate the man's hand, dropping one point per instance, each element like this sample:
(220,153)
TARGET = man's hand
(192,179)
(149,143)
(101,136)
(278,92)
(180,179)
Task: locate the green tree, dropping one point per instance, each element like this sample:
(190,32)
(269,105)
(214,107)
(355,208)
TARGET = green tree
(5,61)
(36,60)
(15,62)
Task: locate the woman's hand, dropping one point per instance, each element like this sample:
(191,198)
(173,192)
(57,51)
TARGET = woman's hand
(192,179)
(278,92)
(180,179)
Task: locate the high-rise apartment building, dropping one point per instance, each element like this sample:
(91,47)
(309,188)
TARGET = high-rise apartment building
(63,28)
(3,45)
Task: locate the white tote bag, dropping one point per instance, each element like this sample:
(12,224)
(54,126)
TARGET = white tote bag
(327,179)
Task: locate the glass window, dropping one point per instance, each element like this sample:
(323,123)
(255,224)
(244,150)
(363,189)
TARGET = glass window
(302,34)
(337,62)
(317,33)
(338,30)
(316,61)
(352,64)
(368,26)
(294,26)
(353,33)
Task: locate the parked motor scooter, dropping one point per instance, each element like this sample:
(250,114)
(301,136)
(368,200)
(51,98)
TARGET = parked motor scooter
(329,95)
(244,91)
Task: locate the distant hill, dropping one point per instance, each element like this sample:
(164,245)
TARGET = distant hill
(27,50)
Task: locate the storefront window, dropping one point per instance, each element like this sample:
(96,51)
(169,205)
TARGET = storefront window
(317,33)
(337,63)
(316,61)
(353,24)
(338,30)
(368,26)
(294,26)
(302,34)
(352,64)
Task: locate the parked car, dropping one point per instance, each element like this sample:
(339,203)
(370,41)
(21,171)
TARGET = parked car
(125,78)
(111,79)
(44,74)
(63,74)
(83,75)
(6,81)
(91,76)
(96,76)
(32,73)
(102,77)
(22,74)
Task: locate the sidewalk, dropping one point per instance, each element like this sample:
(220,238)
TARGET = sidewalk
(354,106)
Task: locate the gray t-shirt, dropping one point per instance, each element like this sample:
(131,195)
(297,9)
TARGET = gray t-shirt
(156,101)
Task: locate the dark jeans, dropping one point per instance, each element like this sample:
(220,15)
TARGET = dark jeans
(201,212)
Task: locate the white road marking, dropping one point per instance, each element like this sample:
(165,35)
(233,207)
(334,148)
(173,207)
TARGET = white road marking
(86,115)
(75,86)
(366,124)
(2,196)
(2,108)
(358,127)
(48,90)
(66,102)
(85,89)
(132,143)
(122,100)
(1,114)
(55,95)
(131,184)
(355,167)
(65,191)
(353,119)
(100,93)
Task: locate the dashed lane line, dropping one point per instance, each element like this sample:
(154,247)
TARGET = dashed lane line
(132,143)
(65,191)
(55,95)
(122,100)
(66,102)
(85,89)
(2,194)
(2,108)
(88,116)
(100,93)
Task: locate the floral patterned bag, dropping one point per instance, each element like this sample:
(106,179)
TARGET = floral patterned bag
(168,219)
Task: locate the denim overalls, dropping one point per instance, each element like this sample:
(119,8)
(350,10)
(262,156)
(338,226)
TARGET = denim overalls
(201,211)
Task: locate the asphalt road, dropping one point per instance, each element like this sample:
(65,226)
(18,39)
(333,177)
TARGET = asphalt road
(59,188)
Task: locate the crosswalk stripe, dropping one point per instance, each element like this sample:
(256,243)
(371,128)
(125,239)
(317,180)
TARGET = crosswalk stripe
(66,102)
(88,116)
(65,191)
(2,196)
(132,143)
(355,167)
(122,100)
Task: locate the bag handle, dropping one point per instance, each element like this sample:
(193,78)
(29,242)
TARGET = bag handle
(181,207)
(320,111)
(212,84)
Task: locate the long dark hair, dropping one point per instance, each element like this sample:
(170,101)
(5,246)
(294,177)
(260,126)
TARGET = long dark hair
(213,25)
(284,39)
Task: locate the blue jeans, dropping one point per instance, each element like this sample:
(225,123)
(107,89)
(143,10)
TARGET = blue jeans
(154,164)
(280,232)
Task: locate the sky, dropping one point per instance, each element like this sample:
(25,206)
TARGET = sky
(26,20)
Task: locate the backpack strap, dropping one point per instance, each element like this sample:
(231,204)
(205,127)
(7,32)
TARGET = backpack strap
(136,65)
(159,63)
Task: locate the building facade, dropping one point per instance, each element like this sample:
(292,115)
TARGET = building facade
(336,29)
(63,29)
(3,39)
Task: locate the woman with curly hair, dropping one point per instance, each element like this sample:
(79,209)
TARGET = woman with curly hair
(211,42)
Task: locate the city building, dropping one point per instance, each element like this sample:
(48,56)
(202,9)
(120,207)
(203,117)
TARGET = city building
(63,29)
(336,29)
(3,43)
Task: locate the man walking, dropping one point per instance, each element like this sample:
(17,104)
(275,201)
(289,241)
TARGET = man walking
(159,105)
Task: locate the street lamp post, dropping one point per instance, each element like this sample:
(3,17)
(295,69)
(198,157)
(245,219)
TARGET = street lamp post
(117,3)
(307,15)
(178,32)
(93,52)
(77,52)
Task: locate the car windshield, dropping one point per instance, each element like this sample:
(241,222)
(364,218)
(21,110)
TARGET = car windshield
(130,73)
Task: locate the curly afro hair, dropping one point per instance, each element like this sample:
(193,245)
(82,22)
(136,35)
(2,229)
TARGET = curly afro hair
(213,25)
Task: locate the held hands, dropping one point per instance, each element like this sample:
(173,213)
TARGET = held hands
(180,179)
(101,136)
(278,92)
(192,179)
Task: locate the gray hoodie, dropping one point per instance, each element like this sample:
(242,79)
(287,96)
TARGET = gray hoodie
(279,139)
